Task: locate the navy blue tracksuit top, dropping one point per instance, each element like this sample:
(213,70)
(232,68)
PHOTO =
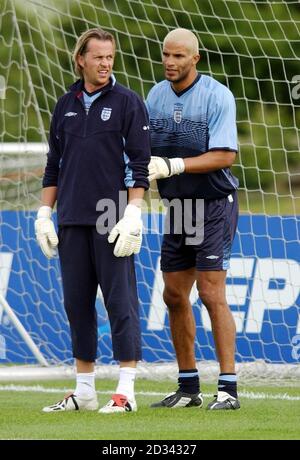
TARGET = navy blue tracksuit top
(94,156)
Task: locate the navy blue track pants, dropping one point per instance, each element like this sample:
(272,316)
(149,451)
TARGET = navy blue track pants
(87,260)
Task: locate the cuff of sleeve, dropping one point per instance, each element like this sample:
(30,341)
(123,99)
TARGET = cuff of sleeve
(140,184)
(227,149)
(49,183)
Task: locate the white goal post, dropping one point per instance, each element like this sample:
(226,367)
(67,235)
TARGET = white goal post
(253,48)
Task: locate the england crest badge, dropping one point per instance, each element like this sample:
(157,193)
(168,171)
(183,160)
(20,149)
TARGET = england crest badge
(177,115)
(106,113)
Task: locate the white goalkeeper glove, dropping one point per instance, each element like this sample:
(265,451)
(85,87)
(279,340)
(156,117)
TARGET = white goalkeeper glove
(129,230)
(45,232)
(162,167)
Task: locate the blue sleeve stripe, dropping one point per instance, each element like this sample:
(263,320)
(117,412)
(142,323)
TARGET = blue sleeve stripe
(227,149)
(129,182)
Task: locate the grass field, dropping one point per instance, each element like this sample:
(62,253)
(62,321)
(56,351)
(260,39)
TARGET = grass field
(266,413)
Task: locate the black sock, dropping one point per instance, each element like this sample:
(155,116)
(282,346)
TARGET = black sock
(228,383)
(188,381)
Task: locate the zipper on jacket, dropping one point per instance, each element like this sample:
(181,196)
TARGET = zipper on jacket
(87,113)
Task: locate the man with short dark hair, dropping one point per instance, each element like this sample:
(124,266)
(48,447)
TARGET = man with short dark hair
(194,143)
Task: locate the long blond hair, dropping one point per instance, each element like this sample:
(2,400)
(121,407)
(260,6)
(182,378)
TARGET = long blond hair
(82,44)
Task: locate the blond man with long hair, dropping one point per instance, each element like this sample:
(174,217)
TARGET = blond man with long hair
(98,146)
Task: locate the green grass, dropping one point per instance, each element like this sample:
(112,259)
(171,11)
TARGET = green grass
(21,417)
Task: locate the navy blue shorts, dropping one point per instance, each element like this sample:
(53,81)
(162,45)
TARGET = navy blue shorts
(87,260)
(206,244)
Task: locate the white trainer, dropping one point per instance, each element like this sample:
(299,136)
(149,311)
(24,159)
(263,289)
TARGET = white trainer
(73,402)
(119,404)
(224,401)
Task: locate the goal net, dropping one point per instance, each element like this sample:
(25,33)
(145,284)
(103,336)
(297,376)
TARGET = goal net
(253,48)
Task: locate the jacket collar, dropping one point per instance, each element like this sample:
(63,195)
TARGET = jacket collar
(77,87)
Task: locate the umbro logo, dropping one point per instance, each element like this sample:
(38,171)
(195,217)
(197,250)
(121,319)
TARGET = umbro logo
(70,114)
(212,257)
